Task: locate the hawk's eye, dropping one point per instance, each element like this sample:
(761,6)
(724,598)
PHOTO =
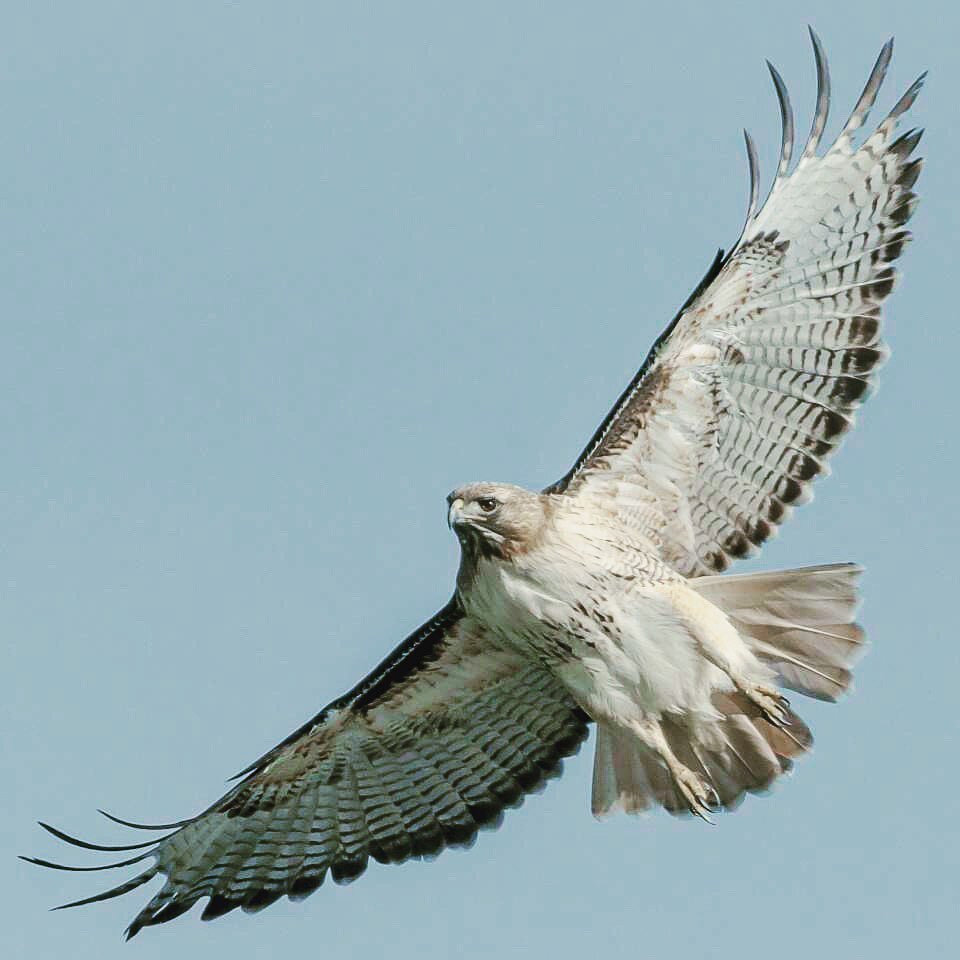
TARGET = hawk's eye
(487,504)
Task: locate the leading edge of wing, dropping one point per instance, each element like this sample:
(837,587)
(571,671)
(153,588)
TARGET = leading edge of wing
(856,121)
(424,644)
(713,270)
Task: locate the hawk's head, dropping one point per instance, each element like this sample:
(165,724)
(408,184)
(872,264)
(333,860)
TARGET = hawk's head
(495,519)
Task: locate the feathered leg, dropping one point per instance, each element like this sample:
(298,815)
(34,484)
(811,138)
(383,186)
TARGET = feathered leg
(791,626)
(700,797)
(721,644)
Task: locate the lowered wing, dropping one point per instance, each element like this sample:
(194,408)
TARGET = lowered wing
(433,745)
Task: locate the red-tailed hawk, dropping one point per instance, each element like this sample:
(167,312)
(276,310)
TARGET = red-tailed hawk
(598,598)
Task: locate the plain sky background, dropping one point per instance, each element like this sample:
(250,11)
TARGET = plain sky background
(275,278)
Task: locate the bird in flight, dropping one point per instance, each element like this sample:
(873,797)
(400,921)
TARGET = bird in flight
(599,599)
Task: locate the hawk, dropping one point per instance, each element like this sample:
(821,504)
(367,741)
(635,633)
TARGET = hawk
(599,598)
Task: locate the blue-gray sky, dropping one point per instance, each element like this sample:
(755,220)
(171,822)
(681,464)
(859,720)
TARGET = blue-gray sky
(276,277)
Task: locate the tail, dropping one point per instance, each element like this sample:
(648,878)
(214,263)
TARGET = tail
(799,623)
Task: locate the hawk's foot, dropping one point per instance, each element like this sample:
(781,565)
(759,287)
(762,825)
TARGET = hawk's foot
(700,797)
(774,705)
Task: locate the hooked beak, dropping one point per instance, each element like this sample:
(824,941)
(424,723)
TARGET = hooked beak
(454,512)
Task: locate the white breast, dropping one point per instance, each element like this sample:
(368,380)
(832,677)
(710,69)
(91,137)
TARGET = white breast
(610,632)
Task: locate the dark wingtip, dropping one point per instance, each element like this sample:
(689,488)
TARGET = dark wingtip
(106,866)
(861,111)
(118,891)
(108,848)
(822,111)
(907,100)
(143,826)
(754,165)
(786,120)
(219,906)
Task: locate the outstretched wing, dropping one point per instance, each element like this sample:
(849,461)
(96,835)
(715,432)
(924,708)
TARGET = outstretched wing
(433,745)
(749,391)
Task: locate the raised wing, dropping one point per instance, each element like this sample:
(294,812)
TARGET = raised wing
(433,745)
(749,391)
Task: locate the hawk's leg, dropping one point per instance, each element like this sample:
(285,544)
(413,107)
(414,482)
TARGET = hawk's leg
(720,644)
(699,796)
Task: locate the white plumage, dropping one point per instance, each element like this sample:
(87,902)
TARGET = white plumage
(597,599)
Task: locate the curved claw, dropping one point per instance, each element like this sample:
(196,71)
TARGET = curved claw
(701,797)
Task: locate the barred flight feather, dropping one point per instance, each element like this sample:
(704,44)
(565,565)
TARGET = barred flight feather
(399,776)
(748,394)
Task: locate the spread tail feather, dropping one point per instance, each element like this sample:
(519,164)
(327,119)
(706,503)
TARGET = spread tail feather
(797,622)
(744,753)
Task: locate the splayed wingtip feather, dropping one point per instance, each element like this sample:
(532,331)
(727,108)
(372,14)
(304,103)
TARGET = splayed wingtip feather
(145,826)
(754,165)
(786,119)
(859,114)
(822,111)
(86,845)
